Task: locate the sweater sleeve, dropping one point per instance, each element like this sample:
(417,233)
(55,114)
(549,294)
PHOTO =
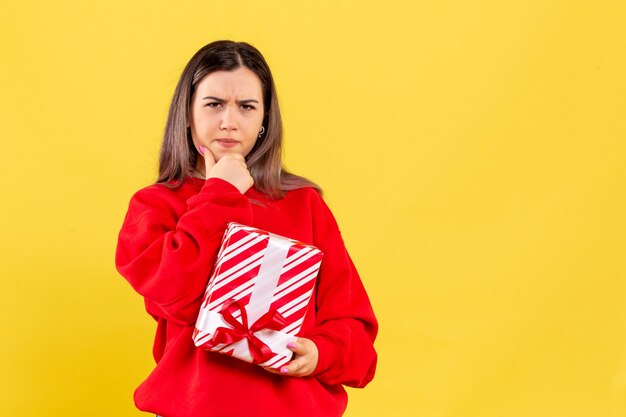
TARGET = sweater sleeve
(345,323)
(167,256)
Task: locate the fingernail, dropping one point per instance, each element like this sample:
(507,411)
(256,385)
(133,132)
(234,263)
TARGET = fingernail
(284,370)
(291,345)
(201,150)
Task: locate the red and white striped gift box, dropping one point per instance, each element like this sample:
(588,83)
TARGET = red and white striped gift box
(257,296)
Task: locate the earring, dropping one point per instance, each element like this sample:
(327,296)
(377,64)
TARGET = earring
(261,131)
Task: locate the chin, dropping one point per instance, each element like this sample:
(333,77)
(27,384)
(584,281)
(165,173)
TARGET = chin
(218,154)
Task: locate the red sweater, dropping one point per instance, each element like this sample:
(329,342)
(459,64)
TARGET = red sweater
(166,250)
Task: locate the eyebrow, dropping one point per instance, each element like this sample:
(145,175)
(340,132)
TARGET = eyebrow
(221,100)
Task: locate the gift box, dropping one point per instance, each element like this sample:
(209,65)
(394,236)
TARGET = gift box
(257,296)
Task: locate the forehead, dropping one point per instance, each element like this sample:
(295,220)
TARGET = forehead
(231,84)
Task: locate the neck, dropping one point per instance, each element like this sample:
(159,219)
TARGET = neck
(198,170)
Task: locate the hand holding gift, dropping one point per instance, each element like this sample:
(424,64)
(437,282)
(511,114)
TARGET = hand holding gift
(306,359)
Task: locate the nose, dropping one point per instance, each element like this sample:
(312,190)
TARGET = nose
(228,121)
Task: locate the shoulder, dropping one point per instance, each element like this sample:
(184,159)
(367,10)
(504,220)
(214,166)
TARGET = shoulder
(309,196)
(164,193)
(309,199)
(158,200)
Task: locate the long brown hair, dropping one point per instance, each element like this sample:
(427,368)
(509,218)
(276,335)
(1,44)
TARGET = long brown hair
(178,154)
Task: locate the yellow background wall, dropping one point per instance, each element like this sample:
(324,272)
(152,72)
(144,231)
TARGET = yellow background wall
(473,153)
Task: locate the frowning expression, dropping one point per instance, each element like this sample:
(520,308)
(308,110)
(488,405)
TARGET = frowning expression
(227,112)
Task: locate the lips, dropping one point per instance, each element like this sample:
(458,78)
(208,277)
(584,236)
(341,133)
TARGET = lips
(227,142)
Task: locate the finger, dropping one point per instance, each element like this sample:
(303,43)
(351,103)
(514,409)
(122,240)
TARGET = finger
(209,158)
(283,370)
(297,367)
(298,347)
(236,158)
(272,370)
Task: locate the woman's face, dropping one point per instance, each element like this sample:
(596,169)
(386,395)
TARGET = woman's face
(227,112)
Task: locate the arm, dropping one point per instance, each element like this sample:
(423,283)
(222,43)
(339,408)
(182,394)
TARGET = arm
(345,323)
(168,257)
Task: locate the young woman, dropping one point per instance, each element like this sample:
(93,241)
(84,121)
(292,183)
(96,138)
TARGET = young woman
(220,161)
